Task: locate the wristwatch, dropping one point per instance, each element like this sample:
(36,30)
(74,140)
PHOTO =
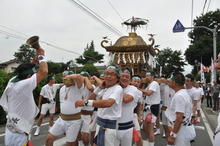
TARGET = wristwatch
(86,102)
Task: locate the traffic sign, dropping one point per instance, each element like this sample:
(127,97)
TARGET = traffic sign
(178,27)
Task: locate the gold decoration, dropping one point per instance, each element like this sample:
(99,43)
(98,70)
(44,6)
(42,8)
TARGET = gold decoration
(125,43)
(133,42)
(127,58)
(136,57)
(130,39)
(131,57)
(121,58)
(116,57)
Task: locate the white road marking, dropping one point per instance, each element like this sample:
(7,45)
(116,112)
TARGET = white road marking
(209,130)
(200,127)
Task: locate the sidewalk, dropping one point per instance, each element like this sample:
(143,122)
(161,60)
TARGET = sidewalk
(211,115)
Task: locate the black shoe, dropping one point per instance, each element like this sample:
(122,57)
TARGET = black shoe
(207,106)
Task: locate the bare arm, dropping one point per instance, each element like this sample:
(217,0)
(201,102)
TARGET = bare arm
(127,98)
(97,103)
(39,101)
(43,69)
(88,84)
(92,96)
(77,78)
(146,92)
(194,107)
(200,98)
(96,79)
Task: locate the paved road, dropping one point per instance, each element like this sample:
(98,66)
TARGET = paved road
(204,131)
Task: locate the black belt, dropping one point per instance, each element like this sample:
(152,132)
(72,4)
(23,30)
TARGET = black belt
(125,126)
(215,134)
(95,109)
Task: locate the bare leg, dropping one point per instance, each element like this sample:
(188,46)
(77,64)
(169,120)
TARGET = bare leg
(51,120)
(40,119)
(50,139)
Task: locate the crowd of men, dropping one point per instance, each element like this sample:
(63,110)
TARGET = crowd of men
(108,113)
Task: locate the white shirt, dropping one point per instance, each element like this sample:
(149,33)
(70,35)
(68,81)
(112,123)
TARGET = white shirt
(154,98)
(85,96)
(171,94)
(114,112)
(73,93)
(165,95)
(21,99)
(139,98)
(200,91)
(128,108)
(181,103)
(193,94)
(49,91)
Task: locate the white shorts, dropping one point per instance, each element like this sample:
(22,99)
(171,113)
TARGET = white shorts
(92,126)
(47,106)
(86,120)
(15,139)
(164,120)
(110,136)
(124,137)
(216,141)
(136,123)
(151,117)
(185,135)
(71,128)
(198,105)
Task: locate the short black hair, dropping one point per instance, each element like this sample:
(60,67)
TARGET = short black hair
(180,77)
(191,76)
(23,67)
(136,76)
(49,77)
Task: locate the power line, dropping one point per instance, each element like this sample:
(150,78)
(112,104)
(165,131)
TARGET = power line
(14,30)
(59,48)
(208,6)
(115,10)
(96,17)
(204,7)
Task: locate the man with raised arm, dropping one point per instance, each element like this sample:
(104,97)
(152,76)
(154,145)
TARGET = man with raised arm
(18,100)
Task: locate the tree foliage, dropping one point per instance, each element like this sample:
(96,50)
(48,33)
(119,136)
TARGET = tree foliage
(90,68)
(202,39)
(25,53)
(171,61)
(54,68)
(90,55)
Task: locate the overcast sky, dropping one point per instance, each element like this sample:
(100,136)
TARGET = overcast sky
(63,24)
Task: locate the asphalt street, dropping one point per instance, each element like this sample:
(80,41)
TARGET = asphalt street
(204,131)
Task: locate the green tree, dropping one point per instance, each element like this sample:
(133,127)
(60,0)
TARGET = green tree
(90,68)
(3,83)
(202,39)
(25,53)
(171,61)
(54,68)
(90,55)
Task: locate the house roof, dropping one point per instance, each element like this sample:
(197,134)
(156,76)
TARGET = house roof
(9,62)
